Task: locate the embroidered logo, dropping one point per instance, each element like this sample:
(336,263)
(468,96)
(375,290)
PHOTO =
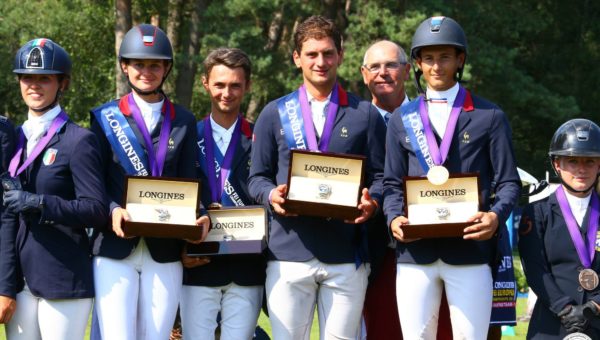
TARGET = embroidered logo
(597,241)
(407,139)
(49,156)
(344,132)
(466,137)
(171,144)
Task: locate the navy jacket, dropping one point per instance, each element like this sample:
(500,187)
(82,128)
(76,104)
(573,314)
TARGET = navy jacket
(52,247)
(243,269)
(481,143)
(552,267)
(358,129)
(180,162)
(7,254)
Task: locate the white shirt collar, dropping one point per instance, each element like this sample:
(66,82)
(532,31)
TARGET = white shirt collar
(449,94)
(578,206)
(36,126)
(150,111)
(221,135)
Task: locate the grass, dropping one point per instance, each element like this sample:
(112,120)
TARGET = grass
(263,322)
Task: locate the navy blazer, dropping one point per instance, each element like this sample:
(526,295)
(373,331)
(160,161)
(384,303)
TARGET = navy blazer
(552,267)
(180,162)
(7,254)
(481,143)
(52,247)
(358,129)
(243,269)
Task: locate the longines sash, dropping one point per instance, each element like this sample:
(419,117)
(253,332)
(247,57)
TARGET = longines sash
(13,168)
(296,120)
(132,156)
(119,134)
(585,251)
(217,171)
(415,118)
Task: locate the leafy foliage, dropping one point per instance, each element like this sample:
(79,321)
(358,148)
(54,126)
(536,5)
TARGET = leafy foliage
(535,59)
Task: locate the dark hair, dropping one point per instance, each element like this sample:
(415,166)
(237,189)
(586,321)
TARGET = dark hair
(230,57)
(317,27)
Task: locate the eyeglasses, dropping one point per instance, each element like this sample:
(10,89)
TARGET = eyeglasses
(376,67)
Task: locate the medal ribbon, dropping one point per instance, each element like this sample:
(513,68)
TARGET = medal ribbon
(585,257)
(13,167)
(217,185)
(439,154)
(156,160)
(309,127)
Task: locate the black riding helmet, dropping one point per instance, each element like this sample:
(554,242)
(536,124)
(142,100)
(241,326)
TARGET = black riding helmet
(43,56)
(146,42)
(576,138)
(437,31)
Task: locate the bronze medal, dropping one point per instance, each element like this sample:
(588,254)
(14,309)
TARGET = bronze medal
(214,206)
(588,279)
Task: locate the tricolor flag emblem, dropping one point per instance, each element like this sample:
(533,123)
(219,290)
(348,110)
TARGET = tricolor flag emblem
(35,59)
(49,156)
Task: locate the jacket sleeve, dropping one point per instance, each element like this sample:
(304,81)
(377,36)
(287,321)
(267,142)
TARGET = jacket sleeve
(396,166)
(375,152)
(264,157)
(8,254)
(502,157)
(534,260)
(88,208)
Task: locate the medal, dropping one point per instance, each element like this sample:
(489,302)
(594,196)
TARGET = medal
(214,206)
(324,191)
(588,279)
(438,175)
(577,336)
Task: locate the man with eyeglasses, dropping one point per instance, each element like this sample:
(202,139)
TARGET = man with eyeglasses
(384,70)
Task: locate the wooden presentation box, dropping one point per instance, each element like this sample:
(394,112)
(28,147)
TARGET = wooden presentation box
(435,211)
(324,184)
(162,207)
(235,230)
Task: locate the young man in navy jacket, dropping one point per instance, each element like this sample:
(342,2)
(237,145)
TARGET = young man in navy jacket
(316,259)
(230,284)
(473,136)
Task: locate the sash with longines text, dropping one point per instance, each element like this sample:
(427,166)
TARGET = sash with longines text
(218,170)
(415,119)
(296,120)
(132,157)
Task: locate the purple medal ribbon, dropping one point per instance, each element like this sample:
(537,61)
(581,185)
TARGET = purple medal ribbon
(216,190)
(156,160)
(586,258)
(57,123)
(439,154)
(308,121)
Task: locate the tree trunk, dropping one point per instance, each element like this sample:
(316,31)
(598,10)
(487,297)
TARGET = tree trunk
(173,24)
(122,25)
(190,50)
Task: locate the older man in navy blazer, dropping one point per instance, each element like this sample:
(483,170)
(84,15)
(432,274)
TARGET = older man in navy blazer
(477,137)
(316,259)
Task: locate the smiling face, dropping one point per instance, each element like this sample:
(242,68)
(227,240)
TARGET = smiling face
(226,88)
(38,90)
(319,60)
(384,72)
(145,74)
(439,65)
(578,172)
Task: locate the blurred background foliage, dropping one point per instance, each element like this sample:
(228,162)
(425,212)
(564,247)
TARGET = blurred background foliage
(538,60)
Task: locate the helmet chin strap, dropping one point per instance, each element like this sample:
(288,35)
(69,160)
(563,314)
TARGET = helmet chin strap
(51,105)
(157,90)
(570,188)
